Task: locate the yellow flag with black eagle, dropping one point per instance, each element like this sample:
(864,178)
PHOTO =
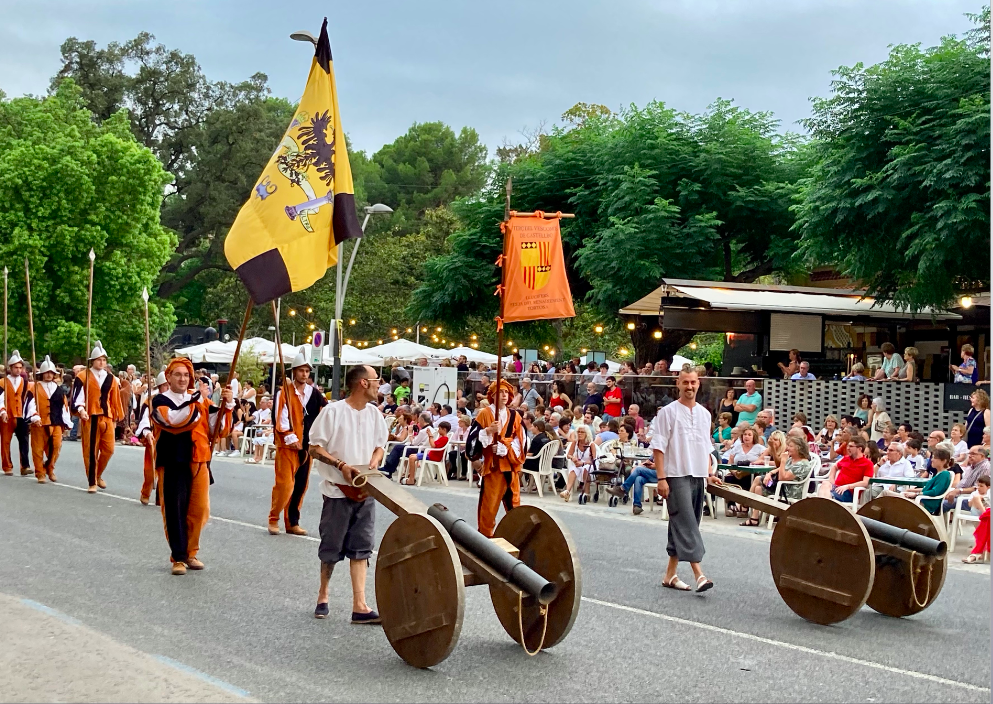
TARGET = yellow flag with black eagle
(303,205)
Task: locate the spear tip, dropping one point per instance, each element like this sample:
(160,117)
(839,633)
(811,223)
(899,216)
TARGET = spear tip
(144,294)
(93,255)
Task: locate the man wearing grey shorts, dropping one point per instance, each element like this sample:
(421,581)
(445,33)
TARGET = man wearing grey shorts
(348,436)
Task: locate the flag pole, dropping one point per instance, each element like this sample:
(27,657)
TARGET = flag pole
(503,278)
(231,369)
(279,356)
(5,315)
(92,471)
(27,281)
(149,377)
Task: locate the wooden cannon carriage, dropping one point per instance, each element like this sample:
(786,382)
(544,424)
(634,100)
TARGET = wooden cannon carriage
(428,557)
(828,562)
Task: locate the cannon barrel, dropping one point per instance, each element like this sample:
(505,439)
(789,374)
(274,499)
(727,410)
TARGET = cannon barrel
(507,566)
(904,538)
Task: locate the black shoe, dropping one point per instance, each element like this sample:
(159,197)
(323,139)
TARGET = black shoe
(321,611)
(370,617)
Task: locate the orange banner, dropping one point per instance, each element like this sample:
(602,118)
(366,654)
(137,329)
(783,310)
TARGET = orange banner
(535,286)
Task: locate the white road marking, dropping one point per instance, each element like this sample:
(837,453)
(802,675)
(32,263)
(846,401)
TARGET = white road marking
(675,619)
(788,646)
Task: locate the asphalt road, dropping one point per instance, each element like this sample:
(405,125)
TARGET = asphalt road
(246,621)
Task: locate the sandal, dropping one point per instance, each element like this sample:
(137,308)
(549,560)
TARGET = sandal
(751,523)
(674,582)
(973,559)
(703,584)
(729,512)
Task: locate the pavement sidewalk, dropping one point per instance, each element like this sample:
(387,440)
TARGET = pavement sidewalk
(54,658)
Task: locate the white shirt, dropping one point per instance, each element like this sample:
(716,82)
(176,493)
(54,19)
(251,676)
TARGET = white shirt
(31,413)
(453,420)
(917,462)
(174,416)
(284,417)
(351,436)
(99,374)
(682,434)
(961,448)
(599,379)
(386,389)
(235,388)
(485,439)
(263,416)
(800,377)
(899,469)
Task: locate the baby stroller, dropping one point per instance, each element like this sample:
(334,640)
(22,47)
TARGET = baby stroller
(606,472)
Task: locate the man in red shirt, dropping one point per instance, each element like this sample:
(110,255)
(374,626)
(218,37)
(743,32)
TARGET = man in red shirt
(613,400)
(850,472)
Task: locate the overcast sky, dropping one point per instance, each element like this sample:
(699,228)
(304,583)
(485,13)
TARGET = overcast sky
(502,66)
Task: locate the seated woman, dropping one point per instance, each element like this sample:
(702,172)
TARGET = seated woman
(541,438)
(722,432)
(746,454)
(941,460)
(826,437)
(558,398)
(795,465)
(437,439)
(580,462)
(643,472)
(419,441)
(237,430)
(775,446)
(839,446)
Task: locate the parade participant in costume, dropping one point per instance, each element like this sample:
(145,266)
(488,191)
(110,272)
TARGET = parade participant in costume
(348,435)
(99,408)
(504,447)
(46,408)
(681,443)
(296,410)
(13,422)
(148,481)
(182,450)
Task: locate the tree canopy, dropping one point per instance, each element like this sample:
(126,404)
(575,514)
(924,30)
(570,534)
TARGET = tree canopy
(70,184)
(899,198)
(655,192)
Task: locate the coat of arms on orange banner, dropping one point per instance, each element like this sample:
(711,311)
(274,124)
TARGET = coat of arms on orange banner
(535,283)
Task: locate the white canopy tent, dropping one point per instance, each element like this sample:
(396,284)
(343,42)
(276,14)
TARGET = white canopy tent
(473,355)
(406,350)
(223,352)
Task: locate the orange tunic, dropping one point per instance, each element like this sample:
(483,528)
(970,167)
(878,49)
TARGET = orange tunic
(100,401)
(13,399)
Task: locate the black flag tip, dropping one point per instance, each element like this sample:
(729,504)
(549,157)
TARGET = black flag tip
(323,52)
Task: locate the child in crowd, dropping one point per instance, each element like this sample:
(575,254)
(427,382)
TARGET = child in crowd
(437,455)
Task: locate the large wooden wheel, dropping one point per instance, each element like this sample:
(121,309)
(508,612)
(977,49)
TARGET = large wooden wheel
(420,590)
(822,560)
(901,588)
(545,546)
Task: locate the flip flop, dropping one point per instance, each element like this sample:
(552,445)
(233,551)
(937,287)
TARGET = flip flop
(676,583)
(703,584)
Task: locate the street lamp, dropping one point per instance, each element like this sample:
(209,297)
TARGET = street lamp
(341,287)
(304,36)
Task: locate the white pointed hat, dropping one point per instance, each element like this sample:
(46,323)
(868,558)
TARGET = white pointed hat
(15,358)
(160,379)
(47,366)
(98,351)
(300,360)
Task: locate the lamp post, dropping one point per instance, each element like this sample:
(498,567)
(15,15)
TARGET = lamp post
(341,287)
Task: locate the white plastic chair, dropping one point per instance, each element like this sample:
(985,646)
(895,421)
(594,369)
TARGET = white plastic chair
(246,440)
(960,514)
(544,472)
(435,468)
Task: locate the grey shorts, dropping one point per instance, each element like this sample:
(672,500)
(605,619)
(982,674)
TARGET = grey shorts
(347,529)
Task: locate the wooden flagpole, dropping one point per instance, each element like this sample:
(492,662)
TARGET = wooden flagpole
(27,281)
(149,375)
(503,281)
(5,315)
(91,474)
(234,363)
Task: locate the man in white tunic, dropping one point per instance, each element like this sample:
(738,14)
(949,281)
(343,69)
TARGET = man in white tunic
(348,436)
(683,467)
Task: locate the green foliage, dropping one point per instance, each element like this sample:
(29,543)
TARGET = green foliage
(705,347)
(69,185)
(250,367)
(900,195)
(655,193)
(426,168)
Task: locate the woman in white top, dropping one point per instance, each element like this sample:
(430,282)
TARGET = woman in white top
(826,437)
(747,452)
(580,462)
(957,435)
(880,420)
